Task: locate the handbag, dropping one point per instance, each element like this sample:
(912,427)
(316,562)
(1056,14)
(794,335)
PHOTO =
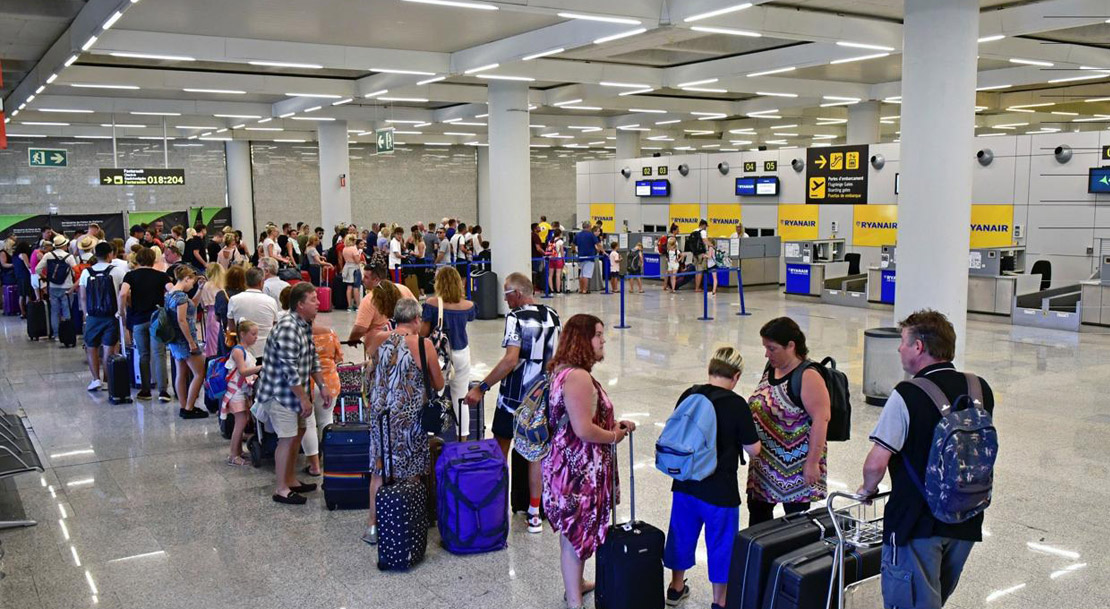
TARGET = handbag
(441,342)
(436,410)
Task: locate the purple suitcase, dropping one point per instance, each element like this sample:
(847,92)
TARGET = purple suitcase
(472,497)
(11,300)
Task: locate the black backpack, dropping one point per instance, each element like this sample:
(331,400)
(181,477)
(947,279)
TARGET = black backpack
(694,243)
(840,405)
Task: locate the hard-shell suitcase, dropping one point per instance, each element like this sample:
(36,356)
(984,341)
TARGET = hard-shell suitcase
(136,366)
(345,451)
(324,295)
(435,447)
(37,320)
(306,277)
(472,486)
(77,315)
(757,546)
(800,579)
(67,333)
(630,562)
(119,379)
(11,300)
(401,507)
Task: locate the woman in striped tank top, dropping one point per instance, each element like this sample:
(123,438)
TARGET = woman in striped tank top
(791,423)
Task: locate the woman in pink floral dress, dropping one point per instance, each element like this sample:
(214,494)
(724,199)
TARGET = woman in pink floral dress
(579,476)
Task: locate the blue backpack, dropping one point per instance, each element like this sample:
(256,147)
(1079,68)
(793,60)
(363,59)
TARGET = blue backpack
(100,293)
(687,448)
(959,475)
(58,269)
(215,377)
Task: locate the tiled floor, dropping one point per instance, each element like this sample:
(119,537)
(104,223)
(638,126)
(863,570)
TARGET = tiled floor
(137,509)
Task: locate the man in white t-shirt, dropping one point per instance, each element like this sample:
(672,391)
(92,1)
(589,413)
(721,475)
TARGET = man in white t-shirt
(254,305)
(460,248)
(272,285)
(136,237)
(56,270)
(396,251)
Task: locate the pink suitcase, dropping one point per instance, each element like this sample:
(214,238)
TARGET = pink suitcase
(323,294)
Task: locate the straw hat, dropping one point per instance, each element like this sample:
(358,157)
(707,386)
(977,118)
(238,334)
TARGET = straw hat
(86,243)
(60,241)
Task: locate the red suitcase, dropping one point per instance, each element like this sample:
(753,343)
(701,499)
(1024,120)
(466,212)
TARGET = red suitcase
(305,277)
(323,294)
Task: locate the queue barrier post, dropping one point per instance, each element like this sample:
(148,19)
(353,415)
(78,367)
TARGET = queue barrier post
(622,325)
(740,288)
(605,264)
(704,300)
(546,279)
(469,281)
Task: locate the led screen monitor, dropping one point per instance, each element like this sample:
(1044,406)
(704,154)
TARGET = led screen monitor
(660,188)
(745,187)
(643,188)
(767,186)
(1098,180)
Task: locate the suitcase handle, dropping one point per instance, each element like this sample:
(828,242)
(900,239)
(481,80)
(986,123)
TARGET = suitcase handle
(631,484)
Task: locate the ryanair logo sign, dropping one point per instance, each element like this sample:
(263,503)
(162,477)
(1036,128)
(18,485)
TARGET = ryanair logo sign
(874,225)
(992,225)
(990,228)
(797,271)
(602,218)
(799,223)
(684,220)
(877,225)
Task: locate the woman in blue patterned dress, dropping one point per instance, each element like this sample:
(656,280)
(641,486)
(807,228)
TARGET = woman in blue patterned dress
(791,423)
(395,384)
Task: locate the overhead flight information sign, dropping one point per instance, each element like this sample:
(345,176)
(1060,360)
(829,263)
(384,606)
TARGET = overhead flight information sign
(837,175)
(142,177)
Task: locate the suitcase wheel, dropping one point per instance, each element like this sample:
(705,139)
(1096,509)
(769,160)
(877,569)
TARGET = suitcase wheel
(255,449)
(331,507)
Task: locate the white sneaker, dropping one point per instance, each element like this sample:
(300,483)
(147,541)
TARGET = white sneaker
(95,385)
(535,523)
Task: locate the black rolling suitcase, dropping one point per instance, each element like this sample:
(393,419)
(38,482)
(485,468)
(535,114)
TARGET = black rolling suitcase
(119,379)
(345,451)
(800,579)
(756,547)
(77,315)
(67,333)
(402,510)
(37,320)
(630,562)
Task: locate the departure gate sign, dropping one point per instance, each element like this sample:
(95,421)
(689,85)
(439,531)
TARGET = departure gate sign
(141,177)
(837,175)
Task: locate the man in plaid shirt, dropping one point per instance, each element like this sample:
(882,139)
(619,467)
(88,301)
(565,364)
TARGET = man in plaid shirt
(282,395)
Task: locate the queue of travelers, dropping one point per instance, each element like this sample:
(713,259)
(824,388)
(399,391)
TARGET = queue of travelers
(282,359)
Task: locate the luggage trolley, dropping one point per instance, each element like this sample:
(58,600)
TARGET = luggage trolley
(859,525)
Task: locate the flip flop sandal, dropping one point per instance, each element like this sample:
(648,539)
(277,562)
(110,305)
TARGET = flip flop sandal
(237,461)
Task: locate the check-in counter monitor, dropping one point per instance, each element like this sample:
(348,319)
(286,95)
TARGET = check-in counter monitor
(881,278)
(810,263)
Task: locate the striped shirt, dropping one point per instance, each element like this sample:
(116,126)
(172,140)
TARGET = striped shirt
(290,360)
(535,329)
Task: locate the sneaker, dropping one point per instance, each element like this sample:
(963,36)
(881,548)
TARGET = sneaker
(535,523)
(674,597)
(164,396)
(143,395)
(370,536)
(195,413)
(95,385)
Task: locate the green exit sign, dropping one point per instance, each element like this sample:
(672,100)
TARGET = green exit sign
(47,157)
(385,140)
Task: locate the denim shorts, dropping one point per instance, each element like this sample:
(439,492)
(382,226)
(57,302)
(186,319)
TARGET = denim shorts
(101,332)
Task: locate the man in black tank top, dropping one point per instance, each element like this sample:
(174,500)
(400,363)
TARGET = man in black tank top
(922,556)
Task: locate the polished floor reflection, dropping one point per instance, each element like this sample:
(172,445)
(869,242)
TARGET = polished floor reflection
(137,508)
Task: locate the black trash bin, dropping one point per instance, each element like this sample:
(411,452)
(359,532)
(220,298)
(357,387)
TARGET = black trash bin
(484,293)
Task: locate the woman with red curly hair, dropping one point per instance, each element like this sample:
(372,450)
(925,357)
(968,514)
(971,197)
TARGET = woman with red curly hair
(578,473)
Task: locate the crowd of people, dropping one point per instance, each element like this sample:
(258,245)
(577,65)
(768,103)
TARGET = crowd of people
(191,297)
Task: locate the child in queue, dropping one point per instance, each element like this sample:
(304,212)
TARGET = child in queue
(236,402)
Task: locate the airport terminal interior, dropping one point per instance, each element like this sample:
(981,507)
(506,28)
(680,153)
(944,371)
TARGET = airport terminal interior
(844,164)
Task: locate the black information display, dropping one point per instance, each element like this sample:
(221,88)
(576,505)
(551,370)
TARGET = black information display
(142,177)
(74,224)
(749,166)
(1106,153)
(645,171)
(837,175)
(770,165)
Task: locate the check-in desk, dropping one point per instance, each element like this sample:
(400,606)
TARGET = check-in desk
(881,279)
(758,258)
(996,275)
(1095,293)
(810,263)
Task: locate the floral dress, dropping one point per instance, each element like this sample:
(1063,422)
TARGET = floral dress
(579,477)
(395,383)
(776,474)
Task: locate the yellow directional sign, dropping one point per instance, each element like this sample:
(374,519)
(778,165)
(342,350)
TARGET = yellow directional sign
(821,161)
(836,161)
(1106,153)
(817,188)
(852,161)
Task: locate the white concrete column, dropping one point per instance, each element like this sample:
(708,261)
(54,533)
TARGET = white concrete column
(335,199)
(863,123)
(628,144)
(938,130)
(240,188)
(485,204)
(510,180)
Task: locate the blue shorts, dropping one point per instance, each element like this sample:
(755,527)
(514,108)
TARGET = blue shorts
(180,350)
(688,515)
(101,332)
